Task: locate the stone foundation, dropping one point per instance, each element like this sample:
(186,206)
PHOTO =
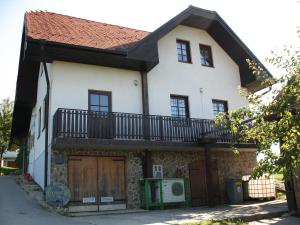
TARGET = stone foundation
(233,166)
(230,165)
(175,165)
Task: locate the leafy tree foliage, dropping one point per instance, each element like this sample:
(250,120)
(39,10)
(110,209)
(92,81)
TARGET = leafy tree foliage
(19,159)
(273,116)
(6,110)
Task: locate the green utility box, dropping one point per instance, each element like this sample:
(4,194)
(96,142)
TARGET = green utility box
(160,193)
(151,193)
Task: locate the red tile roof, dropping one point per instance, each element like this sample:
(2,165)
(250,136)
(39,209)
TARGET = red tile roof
(75,31)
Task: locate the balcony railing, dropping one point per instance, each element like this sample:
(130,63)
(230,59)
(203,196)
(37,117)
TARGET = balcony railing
(72,123)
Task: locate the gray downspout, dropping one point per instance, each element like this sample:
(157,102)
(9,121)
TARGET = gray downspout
(46,115)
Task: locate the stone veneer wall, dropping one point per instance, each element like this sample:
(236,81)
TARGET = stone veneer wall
(175,165)
(233,166)
(230,165)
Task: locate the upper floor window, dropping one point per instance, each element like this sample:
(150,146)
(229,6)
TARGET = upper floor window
(219,107)
(206,56)
(179,106)
(183,51)
(100,101)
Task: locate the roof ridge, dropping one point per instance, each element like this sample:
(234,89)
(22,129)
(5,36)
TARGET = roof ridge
(75,17)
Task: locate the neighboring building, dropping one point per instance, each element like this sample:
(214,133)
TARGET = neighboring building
(9,159)
(109,102)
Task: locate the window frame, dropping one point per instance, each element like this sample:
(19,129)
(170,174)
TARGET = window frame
(39,122)
(42,72)
(44,112)
(218,101)
(186,103)
(188,51)
(209,48)
(96,92)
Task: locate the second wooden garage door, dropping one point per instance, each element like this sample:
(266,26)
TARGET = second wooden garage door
(98,177)
(111,178)
(198,183)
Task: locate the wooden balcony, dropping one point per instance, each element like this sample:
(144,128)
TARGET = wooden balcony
(72,127)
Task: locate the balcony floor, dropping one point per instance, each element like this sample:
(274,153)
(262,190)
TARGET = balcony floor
(119,144)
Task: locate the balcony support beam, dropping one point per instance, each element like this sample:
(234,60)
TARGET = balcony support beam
(148,173)
(208,170)
(145,93)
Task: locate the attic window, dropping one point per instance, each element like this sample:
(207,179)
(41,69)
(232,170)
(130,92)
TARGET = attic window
(183,51)
(206,56)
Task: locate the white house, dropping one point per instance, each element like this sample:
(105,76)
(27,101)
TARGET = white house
(9,158)
(101,105)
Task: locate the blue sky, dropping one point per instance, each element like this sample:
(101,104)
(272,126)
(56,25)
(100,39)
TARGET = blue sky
(261,24)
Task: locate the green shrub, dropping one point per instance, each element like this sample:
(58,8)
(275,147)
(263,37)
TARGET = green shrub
(8,170)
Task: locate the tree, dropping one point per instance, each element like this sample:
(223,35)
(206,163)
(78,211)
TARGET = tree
(273,116)
(19,159)
(6,110)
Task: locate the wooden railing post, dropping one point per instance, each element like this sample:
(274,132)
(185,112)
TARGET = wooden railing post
(161,128)
(209,186)
(146,127)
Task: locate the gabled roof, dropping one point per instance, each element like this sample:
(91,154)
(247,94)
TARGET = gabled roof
(217,28)
(59,28)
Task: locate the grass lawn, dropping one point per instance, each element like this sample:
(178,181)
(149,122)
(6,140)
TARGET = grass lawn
(219,222)
(7,170)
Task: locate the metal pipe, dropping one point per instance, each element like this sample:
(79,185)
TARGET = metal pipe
(46,115)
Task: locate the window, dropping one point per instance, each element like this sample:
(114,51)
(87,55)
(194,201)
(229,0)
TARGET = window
(183,51)
(179,106)
(219,106)
(44,113)
(100,101)
(39,122)
(206,56)
(42,71)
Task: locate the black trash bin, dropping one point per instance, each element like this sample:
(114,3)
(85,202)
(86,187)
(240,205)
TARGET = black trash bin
(234,190)
(245,184)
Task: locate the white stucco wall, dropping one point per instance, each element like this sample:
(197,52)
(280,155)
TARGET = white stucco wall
(72,81)
(172,77)
(37,152)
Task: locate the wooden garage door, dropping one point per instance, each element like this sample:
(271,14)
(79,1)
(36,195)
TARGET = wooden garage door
(111,178)
(96,177)
(82,177)
(198,183)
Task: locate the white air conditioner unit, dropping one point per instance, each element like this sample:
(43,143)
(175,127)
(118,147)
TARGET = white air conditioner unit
(157,171)
(173,190)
